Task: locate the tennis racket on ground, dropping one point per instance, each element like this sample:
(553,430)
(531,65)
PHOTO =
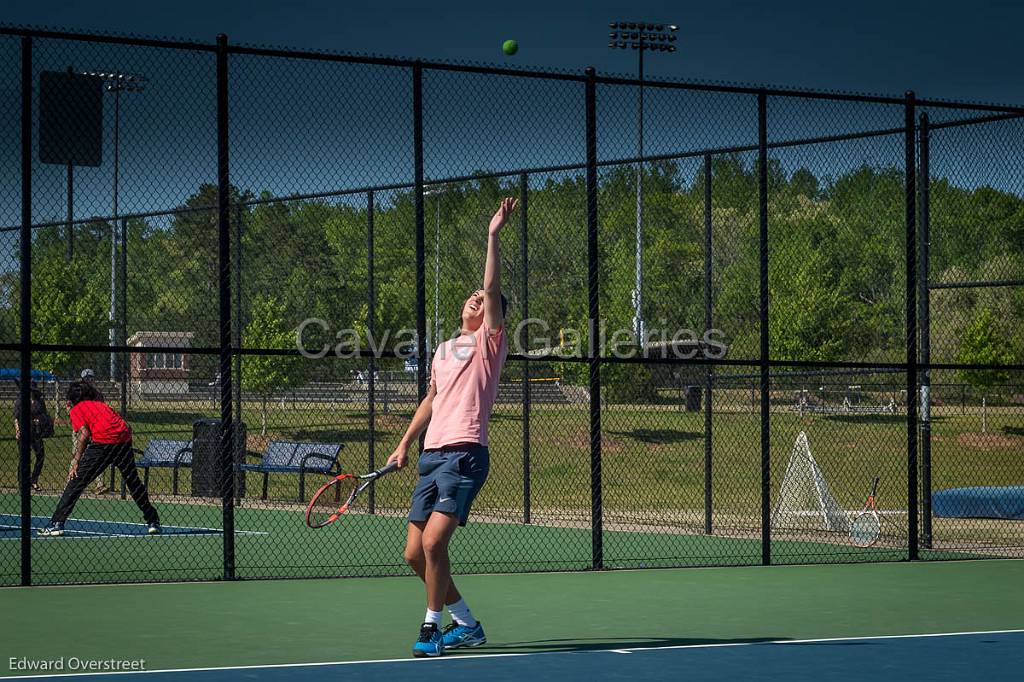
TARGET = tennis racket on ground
(867,527)
(327,506)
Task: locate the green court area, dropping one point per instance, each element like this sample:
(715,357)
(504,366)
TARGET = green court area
(106,542)
(251,623)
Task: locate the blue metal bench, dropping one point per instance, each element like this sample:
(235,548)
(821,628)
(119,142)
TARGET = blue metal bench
(283,456)
(171,454)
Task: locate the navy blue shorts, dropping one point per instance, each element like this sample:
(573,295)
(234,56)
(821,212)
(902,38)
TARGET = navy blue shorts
(450,478)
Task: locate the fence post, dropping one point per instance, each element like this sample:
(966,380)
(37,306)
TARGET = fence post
(224,257)
(524,259)
(911,315)
(421,290)
(924,323)
(710,369)
(238,321)
(371,382)
(597,521)
(238,329)
(762,203)
(125,357)
(25,388)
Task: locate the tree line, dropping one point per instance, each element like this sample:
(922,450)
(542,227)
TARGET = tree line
(836,276)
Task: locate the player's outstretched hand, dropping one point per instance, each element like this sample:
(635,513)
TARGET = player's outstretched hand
(508,204)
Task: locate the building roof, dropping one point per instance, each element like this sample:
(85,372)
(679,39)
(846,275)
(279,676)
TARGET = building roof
(173,339)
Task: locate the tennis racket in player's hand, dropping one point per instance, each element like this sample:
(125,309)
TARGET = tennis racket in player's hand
(508,204)
(335,497)
(867,527)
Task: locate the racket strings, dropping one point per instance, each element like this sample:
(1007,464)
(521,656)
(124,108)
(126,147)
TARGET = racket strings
(330,499)
(865,530)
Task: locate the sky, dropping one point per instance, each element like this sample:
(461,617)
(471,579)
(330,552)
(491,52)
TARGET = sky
(941,49)
(304,127)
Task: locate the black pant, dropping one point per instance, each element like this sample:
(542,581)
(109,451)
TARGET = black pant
(40,450)
(96,458)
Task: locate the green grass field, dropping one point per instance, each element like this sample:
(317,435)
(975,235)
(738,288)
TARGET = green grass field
(653,495)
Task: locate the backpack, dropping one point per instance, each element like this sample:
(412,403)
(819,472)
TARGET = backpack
(42,424)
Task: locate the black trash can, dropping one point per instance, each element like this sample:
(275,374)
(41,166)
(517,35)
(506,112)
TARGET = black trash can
(693,398)
(206,467)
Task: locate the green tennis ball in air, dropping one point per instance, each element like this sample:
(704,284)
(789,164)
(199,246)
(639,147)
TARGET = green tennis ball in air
(510,47)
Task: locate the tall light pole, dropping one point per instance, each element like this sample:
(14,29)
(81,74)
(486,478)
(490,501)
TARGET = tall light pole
(642,37)
(116,82)
(439,189)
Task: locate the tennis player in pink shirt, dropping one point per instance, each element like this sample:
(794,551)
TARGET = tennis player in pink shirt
(454,463)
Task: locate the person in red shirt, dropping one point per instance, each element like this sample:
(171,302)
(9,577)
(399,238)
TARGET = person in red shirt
(102,439)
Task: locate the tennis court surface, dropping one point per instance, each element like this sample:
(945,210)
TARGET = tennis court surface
(935,621)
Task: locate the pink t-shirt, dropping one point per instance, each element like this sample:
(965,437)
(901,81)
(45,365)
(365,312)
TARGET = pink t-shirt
(465,373)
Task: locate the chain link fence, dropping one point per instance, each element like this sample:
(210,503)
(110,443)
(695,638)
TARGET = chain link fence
(721,328)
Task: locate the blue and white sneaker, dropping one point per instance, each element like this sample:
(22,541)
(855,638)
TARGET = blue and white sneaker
(51,531)
(456,636)
(430,642)
(154,528)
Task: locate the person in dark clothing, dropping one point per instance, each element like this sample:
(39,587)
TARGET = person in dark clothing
(42,427)
(102,439)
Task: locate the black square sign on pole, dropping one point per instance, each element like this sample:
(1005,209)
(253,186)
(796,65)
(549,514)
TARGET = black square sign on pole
(70,118)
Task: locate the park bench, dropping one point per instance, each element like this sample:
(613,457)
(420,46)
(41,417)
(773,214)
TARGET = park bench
(803,406)
(170,454)
(282,456)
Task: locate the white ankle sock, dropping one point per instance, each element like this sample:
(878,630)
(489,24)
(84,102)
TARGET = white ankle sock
(433,617)
(461,614)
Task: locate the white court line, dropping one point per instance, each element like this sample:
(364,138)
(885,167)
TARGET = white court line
(87,534)
(473,657)
(68,535)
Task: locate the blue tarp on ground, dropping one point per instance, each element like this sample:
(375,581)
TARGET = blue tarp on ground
(986,502)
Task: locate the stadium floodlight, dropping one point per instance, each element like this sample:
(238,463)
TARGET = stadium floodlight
(643,37)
